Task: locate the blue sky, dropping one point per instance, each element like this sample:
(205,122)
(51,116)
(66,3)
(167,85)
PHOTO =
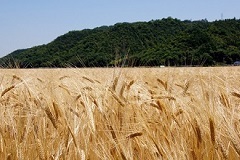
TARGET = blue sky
(28,23)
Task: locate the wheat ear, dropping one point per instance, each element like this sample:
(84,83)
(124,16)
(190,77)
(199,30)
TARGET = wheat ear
(51,117)
(40,149)
(222,148)
(198,131)
(236,144)
(212,130)
(7,90)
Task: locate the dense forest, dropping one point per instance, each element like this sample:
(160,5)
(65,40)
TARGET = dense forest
(169,42)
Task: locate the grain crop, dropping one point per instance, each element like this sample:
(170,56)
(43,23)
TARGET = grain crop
(120,113)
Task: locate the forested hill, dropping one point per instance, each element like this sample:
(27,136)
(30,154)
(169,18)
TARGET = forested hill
(158,42)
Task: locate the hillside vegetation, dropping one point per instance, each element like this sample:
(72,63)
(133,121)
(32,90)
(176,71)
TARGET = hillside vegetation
(118,113)
(158,42)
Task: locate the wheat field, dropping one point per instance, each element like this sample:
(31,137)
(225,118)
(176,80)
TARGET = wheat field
(120,113)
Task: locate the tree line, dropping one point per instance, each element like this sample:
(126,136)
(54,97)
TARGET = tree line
(168,41)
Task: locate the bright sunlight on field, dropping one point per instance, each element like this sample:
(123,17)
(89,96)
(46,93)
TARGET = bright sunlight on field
(120,113)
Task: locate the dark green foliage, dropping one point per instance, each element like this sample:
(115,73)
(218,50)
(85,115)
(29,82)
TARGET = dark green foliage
(158,42)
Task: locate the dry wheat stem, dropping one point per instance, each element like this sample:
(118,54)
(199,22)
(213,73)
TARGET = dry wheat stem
(51,117)
(88,79)
(164,84)
(137,134)
(222,148)
(198,131)
(130,84)
(77,117)
(236,94)
(212,130)
(40,150)
(7,90)
(235,141)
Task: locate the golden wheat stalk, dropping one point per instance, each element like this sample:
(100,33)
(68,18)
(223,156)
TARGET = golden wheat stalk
(158,148)
(78,97)
(10,156)
(87,88)
(122,89)
(51,117)
(115,82)
(57,110)
(7,90)
(112,132)
(179,112)
(235,141)
(154,105)
(63,77)
(164,84)
(130,84)
(176,120)
(40,149)
(114,136)
(137,134)
(117,98)
(224,100)
(40,80)
(197,131)
(212,130)
(24,134)
(74,139)
(187,85)
(64,88)
(74,112)
(235,94)
(88,79)
(66,138)
(82,153)
(1,143)
(161,106)
(181,86)
(20,154)
(17,78)
(165,97)
(222,148)
(97,104)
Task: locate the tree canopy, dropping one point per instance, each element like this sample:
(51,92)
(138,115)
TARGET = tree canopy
(167,41)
